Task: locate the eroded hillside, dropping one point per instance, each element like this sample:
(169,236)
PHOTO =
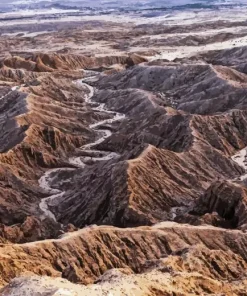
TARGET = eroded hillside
(123,173)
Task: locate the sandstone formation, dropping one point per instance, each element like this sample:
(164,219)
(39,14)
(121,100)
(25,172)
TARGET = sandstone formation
(169,259)
(123,173)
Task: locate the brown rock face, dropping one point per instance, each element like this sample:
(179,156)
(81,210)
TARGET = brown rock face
(36,133)
(53,62)
(30,230)
(167,257)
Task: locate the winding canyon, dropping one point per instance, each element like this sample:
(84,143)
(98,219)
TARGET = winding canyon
(91,155)
(123,150)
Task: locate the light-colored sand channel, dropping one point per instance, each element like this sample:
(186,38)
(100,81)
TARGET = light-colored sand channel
(91,156)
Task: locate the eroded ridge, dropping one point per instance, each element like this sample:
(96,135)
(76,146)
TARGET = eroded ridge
(123,155)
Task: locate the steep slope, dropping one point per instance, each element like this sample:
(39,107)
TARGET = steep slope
(54,62)
(194,88)
(44,117)
(155,142)
(168,160)
(162,256)
(37,132)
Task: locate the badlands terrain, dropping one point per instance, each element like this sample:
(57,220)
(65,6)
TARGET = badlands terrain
(123,159)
